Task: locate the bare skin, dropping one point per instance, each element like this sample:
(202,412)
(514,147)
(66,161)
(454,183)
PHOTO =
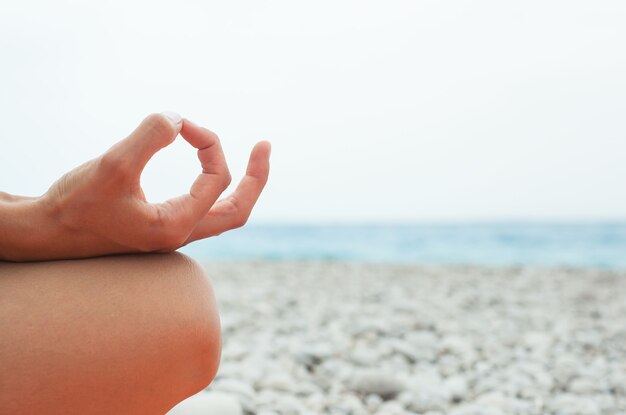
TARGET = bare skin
(99,208)
(124,334)
(112,335)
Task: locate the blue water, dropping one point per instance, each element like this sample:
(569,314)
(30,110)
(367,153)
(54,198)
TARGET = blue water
(498,244)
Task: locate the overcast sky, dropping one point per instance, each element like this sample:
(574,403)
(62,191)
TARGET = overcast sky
(377,110)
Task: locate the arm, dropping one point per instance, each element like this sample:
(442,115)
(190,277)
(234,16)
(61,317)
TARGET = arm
(21,221)
(99,208)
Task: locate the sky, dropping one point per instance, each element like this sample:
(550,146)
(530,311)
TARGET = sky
(395,111)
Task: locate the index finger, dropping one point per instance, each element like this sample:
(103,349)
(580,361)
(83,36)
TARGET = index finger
(209,184)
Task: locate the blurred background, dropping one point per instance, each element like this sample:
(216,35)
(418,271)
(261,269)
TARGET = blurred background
(486,132)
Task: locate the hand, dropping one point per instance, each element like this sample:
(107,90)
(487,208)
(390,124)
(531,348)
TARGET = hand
(99,208)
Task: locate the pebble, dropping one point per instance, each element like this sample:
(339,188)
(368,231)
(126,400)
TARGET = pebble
(584,386)
(373,402)
(428,399)
(391,408)
(573,405)
(208,403)
(289,405)
(355,339)
(235,387)
(381,383)
(456,387)
(406,349)
(279,381)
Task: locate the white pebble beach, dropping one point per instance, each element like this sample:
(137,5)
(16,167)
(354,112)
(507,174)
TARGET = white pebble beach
(350,339)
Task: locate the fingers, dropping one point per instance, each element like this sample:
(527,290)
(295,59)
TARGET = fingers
(233,211)
(131,155)
(210,151)
(194,215)
(188,209)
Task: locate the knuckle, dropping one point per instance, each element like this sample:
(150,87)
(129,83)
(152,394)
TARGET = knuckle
(108,162)
(230,208)
(168,233)
(240,220)
(112,165)
(213,134)
(169,240)
(171,246)
(151,245)
(227,179)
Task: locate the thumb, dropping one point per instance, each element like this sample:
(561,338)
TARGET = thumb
(155,132)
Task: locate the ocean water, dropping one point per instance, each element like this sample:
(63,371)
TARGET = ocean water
(600,245)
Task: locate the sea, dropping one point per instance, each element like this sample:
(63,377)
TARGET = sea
(597,245)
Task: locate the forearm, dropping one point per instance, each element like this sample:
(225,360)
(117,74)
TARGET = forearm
(34,229)
(24,229)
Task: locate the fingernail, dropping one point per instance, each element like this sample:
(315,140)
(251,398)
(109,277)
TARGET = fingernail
(174,117)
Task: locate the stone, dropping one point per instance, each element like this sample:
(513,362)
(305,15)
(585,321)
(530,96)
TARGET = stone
(428,400)
(456,387)
(373,402)
(279,381)
(381,383)
(289,405)
(431,340)
(391,408)
(348,404)
(234,387)
(406,349)
(208,403)
(570,404)
(584,386)
(460,347)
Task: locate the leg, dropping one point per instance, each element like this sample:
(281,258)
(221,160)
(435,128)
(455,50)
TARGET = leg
(114,335)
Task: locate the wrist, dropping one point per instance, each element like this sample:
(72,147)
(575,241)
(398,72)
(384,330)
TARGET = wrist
(27,229)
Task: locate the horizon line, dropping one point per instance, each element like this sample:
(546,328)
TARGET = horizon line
(422,222)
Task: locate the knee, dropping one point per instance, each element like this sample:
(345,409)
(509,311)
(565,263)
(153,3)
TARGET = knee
(195,319)
(202,323)
(140,334)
